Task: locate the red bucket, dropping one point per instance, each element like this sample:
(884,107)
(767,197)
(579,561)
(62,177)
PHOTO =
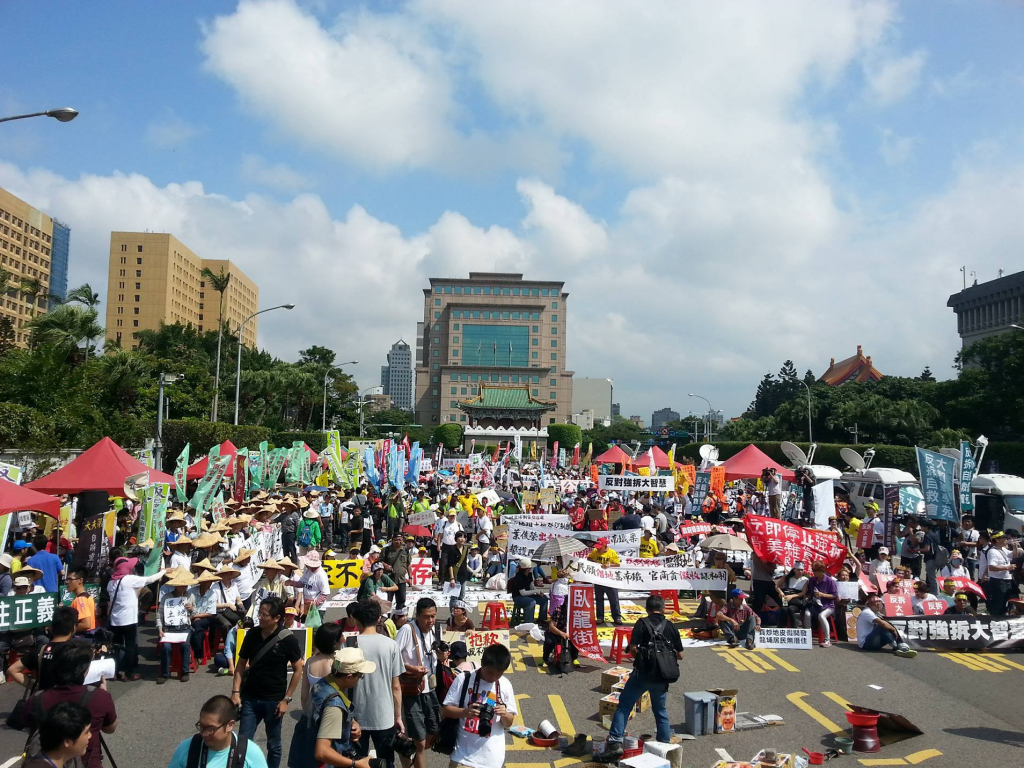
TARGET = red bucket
(862,719)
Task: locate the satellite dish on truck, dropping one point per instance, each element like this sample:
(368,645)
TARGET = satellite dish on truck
(794,454)
(852,458)
(708,453)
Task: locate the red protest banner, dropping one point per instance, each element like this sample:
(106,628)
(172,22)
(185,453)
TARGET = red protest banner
(782,543)
(897,605)
(933,607)
(865,583)
(883,580)
(865,536)
(718,480)
(593,473)
(582,621)
(238,491)
(968,586)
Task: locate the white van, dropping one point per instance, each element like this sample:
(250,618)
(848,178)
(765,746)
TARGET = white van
(864,483)
(998,502)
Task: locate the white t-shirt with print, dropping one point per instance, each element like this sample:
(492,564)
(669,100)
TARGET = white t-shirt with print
(471,749)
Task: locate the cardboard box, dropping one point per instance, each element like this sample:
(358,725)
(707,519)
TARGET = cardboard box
(645,760)
(781,760)
(610,677)
(610,703)
(725,709)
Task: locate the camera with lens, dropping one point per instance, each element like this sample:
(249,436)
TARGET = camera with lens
(404,746)
(378,762)
(486,719)
(440,646)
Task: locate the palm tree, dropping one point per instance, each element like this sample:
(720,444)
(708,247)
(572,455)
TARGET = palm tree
(30,287)
(5,279)
(219,283)
(65,327)
(85,296)
(126,371)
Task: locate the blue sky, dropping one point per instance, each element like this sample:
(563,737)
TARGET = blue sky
(721,188)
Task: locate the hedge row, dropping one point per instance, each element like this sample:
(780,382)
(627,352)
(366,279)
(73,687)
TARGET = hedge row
(566,435)
(1008,458)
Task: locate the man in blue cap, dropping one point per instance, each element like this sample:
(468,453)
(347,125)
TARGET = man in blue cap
(738,621)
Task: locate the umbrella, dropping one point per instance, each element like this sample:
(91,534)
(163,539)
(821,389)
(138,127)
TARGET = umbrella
(504,496)
(559,547)
(318,488)
(416,530)
(725,542)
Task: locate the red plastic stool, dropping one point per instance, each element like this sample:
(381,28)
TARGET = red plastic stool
(206,650)
(620,643)
(176,659)
(816,629)
(494,617)
(12,656)
(671,597)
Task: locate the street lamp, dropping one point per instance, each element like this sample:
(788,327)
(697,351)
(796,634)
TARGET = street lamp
(361,403)
(327,375)
(1017,327)
(238,366)
(165,378)
(63,115)
(810,435)
(708,433)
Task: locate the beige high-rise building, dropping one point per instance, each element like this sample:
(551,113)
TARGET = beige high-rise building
(499,330)
(154,278)
(33,261)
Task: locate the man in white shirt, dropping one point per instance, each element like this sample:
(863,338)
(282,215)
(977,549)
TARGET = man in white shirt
(773,487)
(484,527)
(488,708)
(874,632)
(447,538)
(999,569)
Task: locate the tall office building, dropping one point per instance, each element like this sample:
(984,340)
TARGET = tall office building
(663,416)
(495,332)
(593,395)
(154,278)
(396,377)
(988,308)
(33,259)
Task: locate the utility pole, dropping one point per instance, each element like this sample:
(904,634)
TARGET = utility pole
(855,432)
(165,378)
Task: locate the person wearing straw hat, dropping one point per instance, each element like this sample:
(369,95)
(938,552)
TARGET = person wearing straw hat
(174,618)
(274,581)
(229,605)
(36,576)
(205,595)
(175,529)
(246,581)
(181,553)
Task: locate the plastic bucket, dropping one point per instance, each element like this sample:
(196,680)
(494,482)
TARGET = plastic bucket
(844,745)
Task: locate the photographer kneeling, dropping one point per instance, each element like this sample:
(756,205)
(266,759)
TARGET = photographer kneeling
(484,705)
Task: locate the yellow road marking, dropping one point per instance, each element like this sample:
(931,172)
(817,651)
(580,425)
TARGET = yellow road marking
(774,656)
(741,662)
(1004,660)
(966,661)
(565,761)
(736,661)
(527,765)
(521,745)
(757,658)
(797,699)
(839,700)
(562,718)
(883,761)
(924,754)
(518,719)
(990,665)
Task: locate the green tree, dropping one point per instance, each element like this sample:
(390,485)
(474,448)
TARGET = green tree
(926,375)
(8,335)
(218,282)
(87,297)
(65,328)
(448,435)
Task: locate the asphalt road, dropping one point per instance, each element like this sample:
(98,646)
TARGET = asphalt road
(966,705)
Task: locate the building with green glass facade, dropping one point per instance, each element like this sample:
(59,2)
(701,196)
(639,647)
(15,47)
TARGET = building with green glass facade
(493,329)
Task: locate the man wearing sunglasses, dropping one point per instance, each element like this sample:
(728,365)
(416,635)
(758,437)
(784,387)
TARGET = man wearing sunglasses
(215,745)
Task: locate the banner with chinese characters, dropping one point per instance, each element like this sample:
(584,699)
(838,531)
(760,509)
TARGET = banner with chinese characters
(215,469)
(890,512)
(523,540)
(782,543)
(967,470)
(659,484)
(181,474)
(477,640)
(420,571)
(66,596)
(146,457)
(275,463)
(152,522)
(553,521)
(784,637)
(717,482)
(962,632)
(701,486)
(27,611)
(581,621)
(645,579)
(343,574)
(11,473)
(936,472)
(240,482)
(91,552)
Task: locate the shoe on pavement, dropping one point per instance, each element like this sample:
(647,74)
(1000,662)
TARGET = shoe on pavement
(184,678)
(618,623)
(578,748)
(734,643)
(576,663)
(825,644)
(905,653)
(161,680)
(223,672)
(750,643)
(612,753)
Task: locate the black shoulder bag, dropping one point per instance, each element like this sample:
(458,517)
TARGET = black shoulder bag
(448,733)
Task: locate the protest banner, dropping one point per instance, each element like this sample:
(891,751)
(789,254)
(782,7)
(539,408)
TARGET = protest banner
(890,509)
(240,486)
(427,518)
(689,473)
(848,590)
(581,621)
(936,472)
(343,574)
(530,498)
(981,632)
(897,605)
(966,585)
(564,522)
(717,482)
(865,536)
(420,571)
(933,607)
(275,463)
(547,496)
(11,473)
(523,540)
(659,484)
(174,612)
(93,547)
(27,611)
(154,510)
(701,486)
(968,467)
(625,542)
(181,474)
(782,637)
(696,529)
(215,469)
(67,596)
(824,503)
(217,508)
(644,579)
(782,543)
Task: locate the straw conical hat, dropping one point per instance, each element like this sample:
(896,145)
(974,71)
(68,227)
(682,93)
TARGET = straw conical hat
(204,565)
(207,577)
(271,564)
(244,554)
(182,580)
(208,540)
(285,562)
(180,541)
(225,570)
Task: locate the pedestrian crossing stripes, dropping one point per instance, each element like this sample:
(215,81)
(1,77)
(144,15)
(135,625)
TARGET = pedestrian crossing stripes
(759,660)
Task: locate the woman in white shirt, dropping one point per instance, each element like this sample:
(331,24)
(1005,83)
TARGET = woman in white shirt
(955,568)
(229,605)
(124,612)
(314,583)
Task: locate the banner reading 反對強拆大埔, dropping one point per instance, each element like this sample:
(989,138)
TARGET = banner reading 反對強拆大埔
(646,579)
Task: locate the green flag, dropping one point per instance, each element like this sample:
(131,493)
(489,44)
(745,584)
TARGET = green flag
(154,520)
(181,475)
(210,483)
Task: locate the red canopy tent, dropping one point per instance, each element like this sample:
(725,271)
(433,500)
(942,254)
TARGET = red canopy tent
(314,457)
(613,455)
(103,467)
(749,462)
(660,458)
(15,498)
(197,470)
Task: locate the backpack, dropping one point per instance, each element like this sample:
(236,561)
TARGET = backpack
(33,746)
(305,537)
(658,659)
(236,755)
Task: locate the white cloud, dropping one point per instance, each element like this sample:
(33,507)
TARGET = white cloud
(169,131)
(279,176)
(960,82)
(896,149)
(891,79)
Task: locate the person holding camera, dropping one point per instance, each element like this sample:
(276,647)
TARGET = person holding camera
(336,730)
(485,705)
(215,745)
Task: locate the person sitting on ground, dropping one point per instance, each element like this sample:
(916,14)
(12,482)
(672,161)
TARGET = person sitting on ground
(378,584)
(961,606)
(495,561)
(475,563)
(875,633)
(459,621)
(738,621)
(920,597)
(230,609)
(64,735)
(216,740)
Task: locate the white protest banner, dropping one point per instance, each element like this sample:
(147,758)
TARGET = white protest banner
(175,614)
(682,560)
(824,504)
(549,521)
(420,570)
(524,540)
(426,518)
(477,640)
(658,484)
(648,579)
(625,542)
(784,637)
(848,590)
(453,463)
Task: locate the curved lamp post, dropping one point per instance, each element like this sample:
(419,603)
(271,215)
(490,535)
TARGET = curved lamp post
(63,115)
(238,366)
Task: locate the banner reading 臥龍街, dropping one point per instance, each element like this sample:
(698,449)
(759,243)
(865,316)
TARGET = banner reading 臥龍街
(645,579)
(936,472)
(581,621)
(782,543)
